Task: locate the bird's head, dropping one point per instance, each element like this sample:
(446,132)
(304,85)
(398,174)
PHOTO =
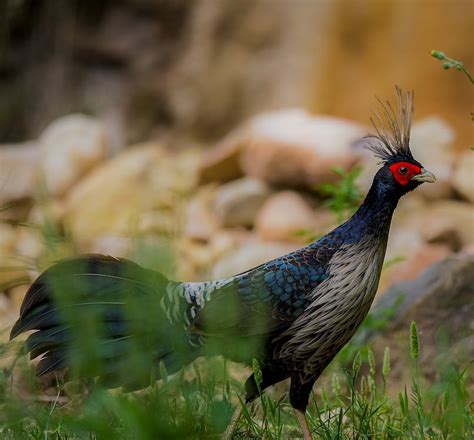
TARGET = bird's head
(400,172)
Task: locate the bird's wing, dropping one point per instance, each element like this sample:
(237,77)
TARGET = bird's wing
(264,300)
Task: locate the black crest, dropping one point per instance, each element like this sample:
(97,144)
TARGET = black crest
(392,136)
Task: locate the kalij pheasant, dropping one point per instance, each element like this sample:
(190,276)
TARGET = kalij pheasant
(293,314)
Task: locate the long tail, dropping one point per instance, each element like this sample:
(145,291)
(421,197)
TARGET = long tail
(105,318)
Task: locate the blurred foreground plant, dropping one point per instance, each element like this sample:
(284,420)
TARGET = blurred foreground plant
(197,403)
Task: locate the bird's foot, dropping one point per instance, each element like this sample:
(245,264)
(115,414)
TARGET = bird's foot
(304,424)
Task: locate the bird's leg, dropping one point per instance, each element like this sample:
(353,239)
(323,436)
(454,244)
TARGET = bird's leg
(304,424)
(252,391)
(299,396)
(229,432)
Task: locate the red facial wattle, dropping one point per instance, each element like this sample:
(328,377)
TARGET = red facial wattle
(404,171)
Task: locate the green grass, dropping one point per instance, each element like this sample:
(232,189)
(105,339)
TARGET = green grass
(350,403)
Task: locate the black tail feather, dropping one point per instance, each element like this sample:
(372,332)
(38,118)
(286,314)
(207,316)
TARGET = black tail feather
(114,300)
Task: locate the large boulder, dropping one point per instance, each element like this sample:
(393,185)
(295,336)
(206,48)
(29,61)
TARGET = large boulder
(69,147)
(19,165)
(441,302)
(288,147)
(291,147)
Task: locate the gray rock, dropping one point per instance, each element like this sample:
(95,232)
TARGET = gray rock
(441,302)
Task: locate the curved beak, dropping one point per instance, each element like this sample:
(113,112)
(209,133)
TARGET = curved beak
(424,176)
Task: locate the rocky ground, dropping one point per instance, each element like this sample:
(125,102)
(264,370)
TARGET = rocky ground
(208,213)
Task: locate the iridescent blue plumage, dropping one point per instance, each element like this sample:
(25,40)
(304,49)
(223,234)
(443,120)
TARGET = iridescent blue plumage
(293,313)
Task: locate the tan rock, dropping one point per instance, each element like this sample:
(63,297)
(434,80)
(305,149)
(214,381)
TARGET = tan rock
(70,147)
(284,216)
(249,255)
(236,203)
(200,222)
(19,166)
(291,147)
(142,185)
(463,176)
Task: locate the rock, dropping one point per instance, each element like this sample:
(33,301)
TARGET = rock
(448,222)
(402,242)
(431,143)
(70,147)
(285,216)
(440,301)
(18,171)
(143,184)
(412,263)
(198,258)
(236,203)
(463,176)
(291,147)
(249,255)
(222,162)
(200,222)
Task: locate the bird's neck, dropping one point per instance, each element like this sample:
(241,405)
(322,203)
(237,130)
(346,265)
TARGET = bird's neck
(375,214)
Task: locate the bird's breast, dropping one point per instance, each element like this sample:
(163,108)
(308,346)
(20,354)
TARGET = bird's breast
(338,307)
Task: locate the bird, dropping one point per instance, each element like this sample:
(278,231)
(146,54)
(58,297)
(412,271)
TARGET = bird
(292,314)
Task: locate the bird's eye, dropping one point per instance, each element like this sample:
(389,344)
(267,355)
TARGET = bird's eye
(403,170)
